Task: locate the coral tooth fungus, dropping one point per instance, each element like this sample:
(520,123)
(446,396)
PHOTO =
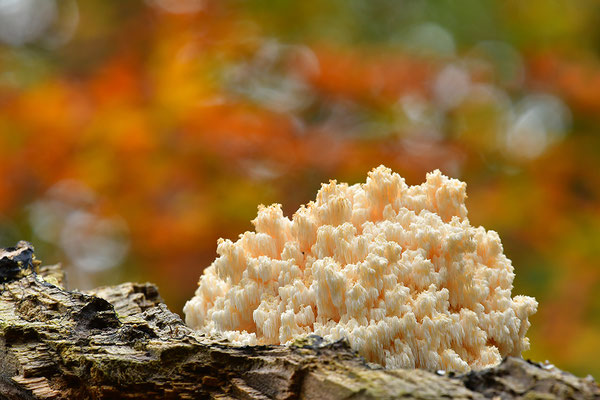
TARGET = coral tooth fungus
(398,270)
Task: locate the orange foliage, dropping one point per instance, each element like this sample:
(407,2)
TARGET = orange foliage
(577,81)
(363,76)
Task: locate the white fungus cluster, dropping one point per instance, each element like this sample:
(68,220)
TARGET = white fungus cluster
(396,269)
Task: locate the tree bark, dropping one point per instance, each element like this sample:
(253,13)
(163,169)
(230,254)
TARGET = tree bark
(123,342)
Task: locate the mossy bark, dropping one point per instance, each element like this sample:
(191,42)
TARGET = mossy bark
(123,342)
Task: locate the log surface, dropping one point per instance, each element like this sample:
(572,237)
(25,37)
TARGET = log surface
(123,342)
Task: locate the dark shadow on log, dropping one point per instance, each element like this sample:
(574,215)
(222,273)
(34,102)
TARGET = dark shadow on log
(123,342)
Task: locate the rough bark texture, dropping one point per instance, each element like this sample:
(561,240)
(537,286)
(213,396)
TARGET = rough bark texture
(123,342)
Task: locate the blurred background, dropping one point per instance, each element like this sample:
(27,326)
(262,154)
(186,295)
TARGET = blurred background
(134,134)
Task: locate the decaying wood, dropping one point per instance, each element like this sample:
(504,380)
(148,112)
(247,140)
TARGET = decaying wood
(123,342)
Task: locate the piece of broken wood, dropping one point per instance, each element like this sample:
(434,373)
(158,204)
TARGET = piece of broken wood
(123,342)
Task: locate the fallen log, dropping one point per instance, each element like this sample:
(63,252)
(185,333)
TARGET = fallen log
(123,342)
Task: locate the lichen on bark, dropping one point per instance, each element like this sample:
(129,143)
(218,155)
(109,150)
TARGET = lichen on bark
(123,342)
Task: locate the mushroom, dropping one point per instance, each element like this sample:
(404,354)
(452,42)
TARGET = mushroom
(397,270)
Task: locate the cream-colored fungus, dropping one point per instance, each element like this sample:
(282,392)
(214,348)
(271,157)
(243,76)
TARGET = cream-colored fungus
(398,270)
